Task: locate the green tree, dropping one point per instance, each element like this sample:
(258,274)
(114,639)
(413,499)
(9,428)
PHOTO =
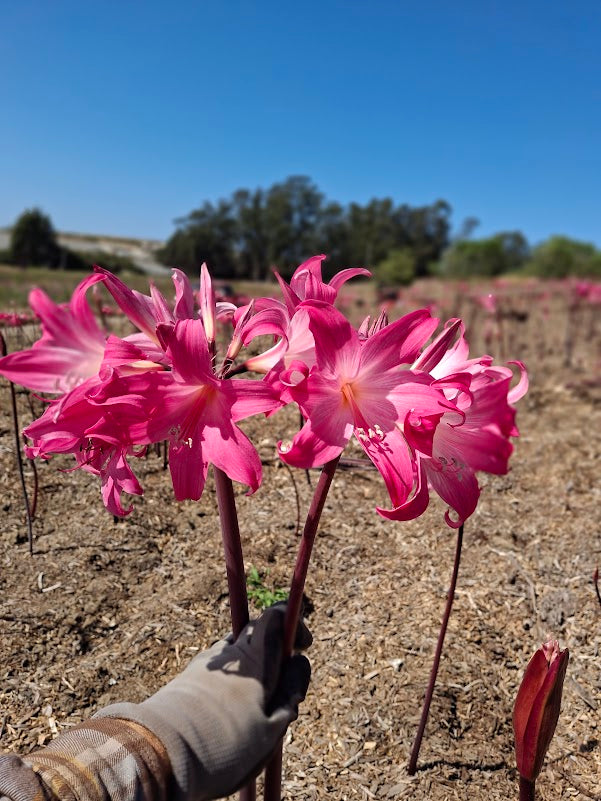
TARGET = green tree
(252,239)
(560,256)
(515,247)
(332,238)
(33,240)
(292,216)
(205,235)
(428,229)
(495,255)
(290,221)
(371,232)
(397,269)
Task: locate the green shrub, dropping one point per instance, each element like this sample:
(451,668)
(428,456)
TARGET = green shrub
(33,240)
(560,257)
(397,269)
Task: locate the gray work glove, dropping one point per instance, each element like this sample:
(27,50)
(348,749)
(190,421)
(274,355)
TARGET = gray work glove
(222,717)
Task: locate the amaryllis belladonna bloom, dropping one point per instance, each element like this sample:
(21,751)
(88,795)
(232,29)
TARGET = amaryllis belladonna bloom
(187,403)
(69,351)
(119,395)
(197,412)
(473,437)
(360,388)
(287,320)
(537,707)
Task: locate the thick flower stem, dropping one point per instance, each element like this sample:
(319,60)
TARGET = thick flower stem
(234,562)
(596,584)
(526,789)
(28,508)
(236,577)
(303,557)
(412,767)
(273,771)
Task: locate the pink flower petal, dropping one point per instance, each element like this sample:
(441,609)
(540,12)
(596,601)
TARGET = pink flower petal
(184,296)
(207,304)
(137,307)
(229,449)
(309,449)
(345,275)
(187,347)
(117,477)
(415,505)
(188,465)
(337,345)
(392,457)
(400,342)
(456,484)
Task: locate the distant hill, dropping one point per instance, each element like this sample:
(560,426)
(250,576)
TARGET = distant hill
(140,251)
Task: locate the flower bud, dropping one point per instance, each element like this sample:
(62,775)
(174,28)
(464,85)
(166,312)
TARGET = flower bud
(537,707)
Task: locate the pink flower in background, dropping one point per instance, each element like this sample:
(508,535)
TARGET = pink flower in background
(488,302)
(69,351)
(15,319)
(359,388)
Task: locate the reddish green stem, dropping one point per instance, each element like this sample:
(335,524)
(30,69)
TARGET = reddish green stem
(273,771)
(412,767)
(28,512)
(236,577)
(526,789)
(234,562)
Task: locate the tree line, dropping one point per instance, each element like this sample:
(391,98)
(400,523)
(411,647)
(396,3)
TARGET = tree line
(247,234)
(250,232)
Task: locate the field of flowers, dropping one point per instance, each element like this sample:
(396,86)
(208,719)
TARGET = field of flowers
(108,609)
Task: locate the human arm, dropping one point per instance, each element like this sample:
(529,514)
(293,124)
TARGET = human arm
(199,737)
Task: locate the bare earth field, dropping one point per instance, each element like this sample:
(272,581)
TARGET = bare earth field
(109,611)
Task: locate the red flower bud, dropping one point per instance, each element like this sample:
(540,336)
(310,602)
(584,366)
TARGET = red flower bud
(537,707)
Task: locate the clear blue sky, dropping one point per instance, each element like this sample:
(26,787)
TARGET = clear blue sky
(117,117)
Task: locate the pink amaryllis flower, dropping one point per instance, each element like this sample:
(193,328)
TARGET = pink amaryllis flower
(186,403)
(197,412)
(474,437)
(69,351)
(146,312)
(69,425)
(123,394)
(307,284)
(360,388)
(488,302)
(287,320)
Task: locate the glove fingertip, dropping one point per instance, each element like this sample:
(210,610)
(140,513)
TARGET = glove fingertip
(297,675)
(293,685)
(303,638)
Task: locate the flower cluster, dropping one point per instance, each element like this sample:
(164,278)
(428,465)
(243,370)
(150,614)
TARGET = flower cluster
(426,415)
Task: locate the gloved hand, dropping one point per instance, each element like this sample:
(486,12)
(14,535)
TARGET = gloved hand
(222,717)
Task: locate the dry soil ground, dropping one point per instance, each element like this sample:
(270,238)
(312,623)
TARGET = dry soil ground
(109,611)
